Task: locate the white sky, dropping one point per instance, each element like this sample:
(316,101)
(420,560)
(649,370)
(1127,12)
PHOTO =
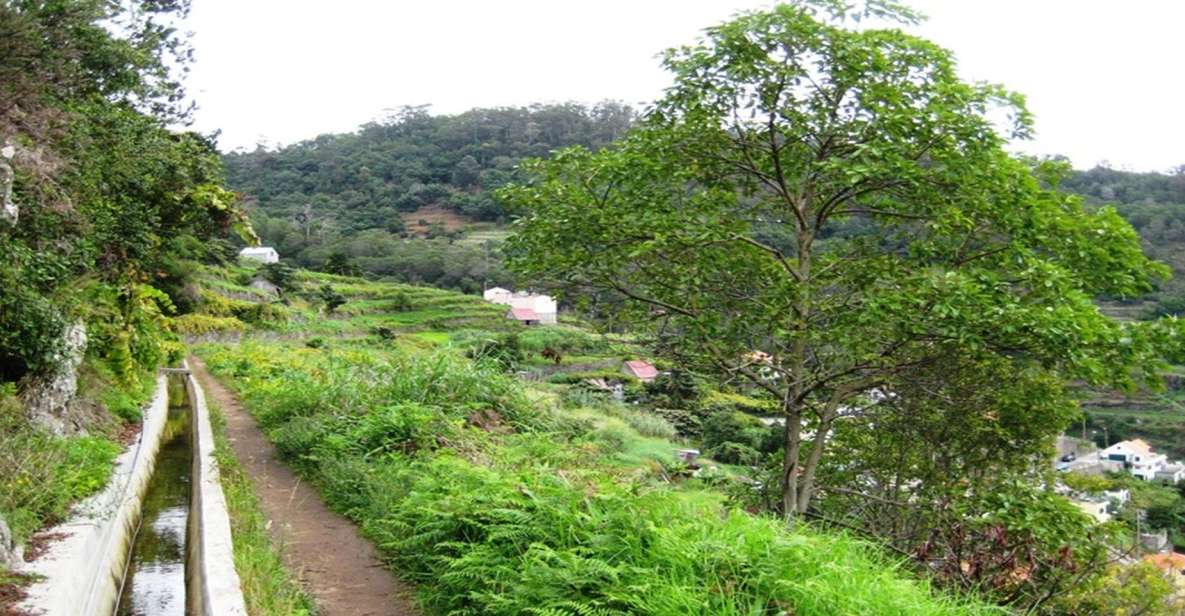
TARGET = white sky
(1103,77)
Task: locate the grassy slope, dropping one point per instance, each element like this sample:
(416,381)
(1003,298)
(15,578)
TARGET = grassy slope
(495,496)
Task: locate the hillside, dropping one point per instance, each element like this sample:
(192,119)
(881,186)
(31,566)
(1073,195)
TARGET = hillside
(412,175)
(396,195)
(496,480)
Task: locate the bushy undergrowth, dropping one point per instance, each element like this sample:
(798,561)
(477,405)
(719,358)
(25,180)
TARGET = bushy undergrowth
(199,324)
(493,507)
(41,475)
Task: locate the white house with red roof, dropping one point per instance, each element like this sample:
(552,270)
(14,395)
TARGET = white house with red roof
(524,305)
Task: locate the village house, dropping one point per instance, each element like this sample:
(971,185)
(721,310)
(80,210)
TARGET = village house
(527,308)
(526,316)
(1095,507)
(263,254)
(1137,458)
(1099,505)
(642,370)
(1172,564)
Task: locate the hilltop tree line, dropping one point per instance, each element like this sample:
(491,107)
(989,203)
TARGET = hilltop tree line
(412,159)
(347,194)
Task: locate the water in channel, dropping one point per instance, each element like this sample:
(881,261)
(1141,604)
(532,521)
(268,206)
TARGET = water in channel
(154,584)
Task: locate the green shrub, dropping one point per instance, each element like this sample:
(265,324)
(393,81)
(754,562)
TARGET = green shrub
(196,324)
(736,438)
(649,424)
(605,375)
(41,475)
(687,423)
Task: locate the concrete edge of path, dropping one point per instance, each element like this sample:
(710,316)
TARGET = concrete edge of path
(214,588)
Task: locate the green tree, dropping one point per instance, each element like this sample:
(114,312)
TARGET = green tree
(340,263)
(330,298)
(728,217)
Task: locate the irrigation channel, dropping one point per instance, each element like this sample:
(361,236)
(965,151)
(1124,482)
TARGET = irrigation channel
(154,580)
(156,540)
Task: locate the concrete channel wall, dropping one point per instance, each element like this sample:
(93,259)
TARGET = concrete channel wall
(213,583)
(81,572)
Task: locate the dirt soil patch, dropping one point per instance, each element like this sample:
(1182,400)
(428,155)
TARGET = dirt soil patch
(341,568)
(434,214)
(12,592)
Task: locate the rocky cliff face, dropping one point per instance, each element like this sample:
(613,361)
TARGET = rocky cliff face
(8,209)
(10,554)
(48,399)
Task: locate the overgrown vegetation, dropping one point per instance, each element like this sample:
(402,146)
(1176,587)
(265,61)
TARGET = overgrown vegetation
(42,475)
(492,503)
(103,209)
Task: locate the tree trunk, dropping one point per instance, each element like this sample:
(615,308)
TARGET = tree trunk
(792,448)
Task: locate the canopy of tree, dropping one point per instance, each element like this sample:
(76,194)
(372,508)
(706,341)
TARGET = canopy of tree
(101,198)
(830,214)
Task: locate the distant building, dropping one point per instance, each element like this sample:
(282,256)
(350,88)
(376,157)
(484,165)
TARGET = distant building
(263,254)
(1155,542)
(642,370)
(1173,472)
(543,306)
(1094,507)
(526,316)
(497,295)
(1137,458)
(1172,564)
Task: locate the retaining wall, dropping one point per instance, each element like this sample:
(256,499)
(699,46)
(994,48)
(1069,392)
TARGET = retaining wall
(81,572)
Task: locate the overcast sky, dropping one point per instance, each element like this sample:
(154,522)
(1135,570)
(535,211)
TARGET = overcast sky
(1103,77)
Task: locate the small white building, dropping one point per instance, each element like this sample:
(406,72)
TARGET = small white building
(1096,508)
(1173,472)
(543,307)
(263,254)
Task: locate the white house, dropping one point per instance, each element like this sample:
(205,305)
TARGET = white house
(543,307)
(263,254)
(1139,460)
(1096,508)
(497,295)
(1173,472)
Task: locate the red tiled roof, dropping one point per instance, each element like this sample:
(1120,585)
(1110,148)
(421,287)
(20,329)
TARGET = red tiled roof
(1171,561)
(523,314)
(641,369)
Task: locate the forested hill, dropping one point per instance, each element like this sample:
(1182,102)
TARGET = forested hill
(417,174)
(1154,203)
(363,180)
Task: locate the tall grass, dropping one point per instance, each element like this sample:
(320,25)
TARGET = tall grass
(42,475)
(522,511)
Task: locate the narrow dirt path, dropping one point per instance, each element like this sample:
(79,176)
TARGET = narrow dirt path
(338,565)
